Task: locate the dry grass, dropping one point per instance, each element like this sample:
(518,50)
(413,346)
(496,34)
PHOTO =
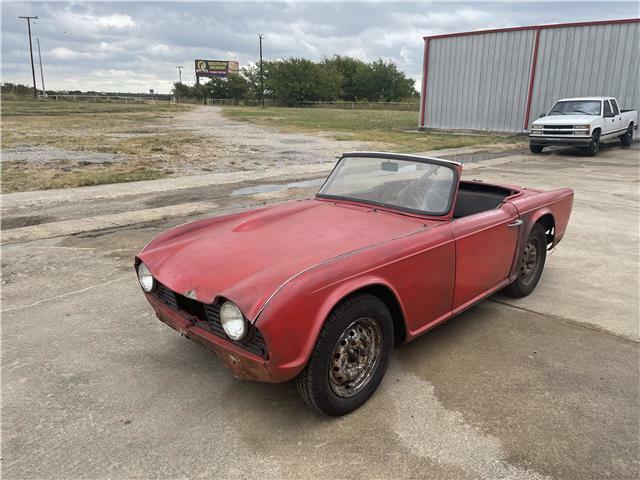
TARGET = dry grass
(383,129)
(135,142)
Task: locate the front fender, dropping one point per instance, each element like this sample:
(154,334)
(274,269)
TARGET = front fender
(292,321)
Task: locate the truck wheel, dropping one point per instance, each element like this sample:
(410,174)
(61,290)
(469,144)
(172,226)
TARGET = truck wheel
(627,138)
(535,148)
(594,145)
(350,357)
(531,263)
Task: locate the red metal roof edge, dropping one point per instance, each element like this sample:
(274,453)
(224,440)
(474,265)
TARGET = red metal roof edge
(534,27)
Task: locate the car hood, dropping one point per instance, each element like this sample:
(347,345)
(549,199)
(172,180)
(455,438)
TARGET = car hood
(565,120)
(246,257)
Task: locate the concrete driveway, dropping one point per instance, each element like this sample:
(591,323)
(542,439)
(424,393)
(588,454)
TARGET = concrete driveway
(94,386)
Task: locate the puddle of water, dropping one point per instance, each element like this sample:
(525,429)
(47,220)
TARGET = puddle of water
(274,187)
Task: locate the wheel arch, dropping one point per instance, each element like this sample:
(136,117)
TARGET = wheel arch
(548,221)
(379,289)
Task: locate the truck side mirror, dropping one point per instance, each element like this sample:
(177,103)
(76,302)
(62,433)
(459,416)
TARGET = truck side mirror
(609,115)
(542,115)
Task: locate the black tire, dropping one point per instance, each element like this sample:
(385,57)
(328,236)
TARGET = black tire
(318,384)
(535,148)
(594,145)
(627,138)
(529,271)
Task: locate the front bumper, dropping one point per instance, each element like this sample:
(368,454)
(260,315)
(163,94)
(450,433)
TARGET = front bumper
(568,140)
(242,363)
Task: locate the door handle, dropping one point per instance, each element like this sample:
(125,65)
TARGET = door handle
(517,223)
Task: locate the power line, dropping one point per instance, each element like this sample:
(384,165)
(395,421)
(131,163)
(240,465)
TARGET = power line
(179,67)
(33,70)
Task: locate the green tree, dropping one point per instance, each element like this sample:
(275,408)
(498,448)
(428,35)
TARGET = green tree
(298,79)
(381,81)
(237,87)
(347,68)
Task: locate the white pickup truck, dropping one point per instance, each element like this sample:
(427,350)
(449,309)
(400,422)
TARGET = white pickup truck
(583,122)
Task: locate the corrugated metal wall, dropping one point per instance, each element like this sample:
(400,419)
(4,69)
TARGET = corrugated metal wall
(481,81)
(598,60)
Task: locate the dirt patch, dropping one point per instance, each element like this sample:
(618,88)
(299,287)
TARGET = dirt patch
(43,154)
(249,146)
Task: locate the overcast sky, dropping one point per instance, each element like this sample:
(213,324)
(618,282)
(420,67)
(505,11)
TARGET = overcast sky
(135,46)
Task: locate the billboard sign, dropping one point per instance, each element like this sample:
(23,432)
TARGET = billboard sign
(216,68)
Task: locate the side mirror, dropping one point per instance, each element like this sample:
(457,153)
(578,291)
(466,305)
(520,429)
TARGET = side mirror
(542,115)
(609,115)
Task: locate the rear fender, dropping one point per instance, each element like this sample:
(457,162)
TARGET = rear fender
(557,203)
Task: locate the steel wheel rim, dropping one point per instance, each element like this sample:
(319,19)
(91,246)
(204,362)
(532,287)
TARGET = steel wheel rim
(355,357)
(530,260)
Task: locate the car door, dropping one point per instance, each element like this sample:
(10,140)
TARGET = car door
(485,245)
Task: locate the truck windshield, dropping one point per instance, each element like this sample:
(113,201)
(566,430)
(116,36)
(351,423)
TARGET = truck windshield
(576,107)
(416,186)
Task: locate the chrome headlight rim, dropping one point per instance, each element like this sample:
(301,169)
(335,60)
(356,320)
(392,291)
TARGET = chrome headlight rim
(233,322)
(145,278)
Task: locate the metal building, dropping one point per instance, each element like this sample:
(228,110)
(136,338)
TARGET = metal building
(501,80)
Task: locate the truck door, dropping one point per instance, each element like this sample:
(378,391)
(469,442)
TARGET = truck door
(617,117)
(609,121)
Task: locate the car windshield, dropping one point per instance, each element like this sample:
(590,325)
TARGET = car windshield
(414,185)
(576,107)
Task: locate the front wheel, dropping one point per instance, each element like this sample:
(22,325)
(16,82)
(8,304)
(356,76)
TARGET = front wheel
(350,357)
(531,263)
(627,138)
(594,145)
(535,148)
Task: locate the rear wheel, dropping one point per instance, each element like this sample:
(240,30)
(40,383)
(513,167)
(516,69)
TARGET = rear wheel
(535,148)
(531,263)
(350,357)
(594,145)
(627,138)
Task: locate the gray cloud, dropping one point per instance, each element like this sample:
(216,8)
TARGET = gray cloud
(134,46)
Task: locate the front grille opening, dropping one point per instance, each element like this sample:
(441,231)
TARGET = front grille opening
(192,307)
(207,317)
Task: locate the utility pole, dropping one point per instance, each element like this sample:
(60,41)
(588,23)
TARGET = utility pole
(179,67)
(261,73)
(44,91)
(33,70)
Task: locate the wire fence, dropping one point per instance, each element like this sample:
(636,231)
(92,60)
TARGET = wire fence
(401,106)
(151,99)
(168,99)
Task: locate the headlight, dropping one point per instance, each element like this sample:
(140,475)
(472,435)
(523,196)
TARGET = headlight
(536,127)
(232,321)
(581,128)
(145,278)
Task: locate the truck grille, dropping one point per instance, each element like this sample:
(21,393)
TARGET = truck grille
(207,317)
(557,130)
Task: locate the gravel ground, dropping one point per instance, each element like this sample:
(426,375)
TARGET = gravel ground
(44,154)
(251,146)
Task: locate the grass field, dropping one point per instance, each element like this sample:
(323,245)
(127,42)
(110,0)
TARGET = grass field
(118,142)
(383,129)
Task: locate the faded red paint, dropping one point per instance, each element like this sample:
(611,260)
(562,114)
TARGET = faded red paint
(287,266)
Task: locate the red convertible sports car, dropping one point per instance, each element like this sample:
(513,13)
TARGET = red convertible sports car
(322,289)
